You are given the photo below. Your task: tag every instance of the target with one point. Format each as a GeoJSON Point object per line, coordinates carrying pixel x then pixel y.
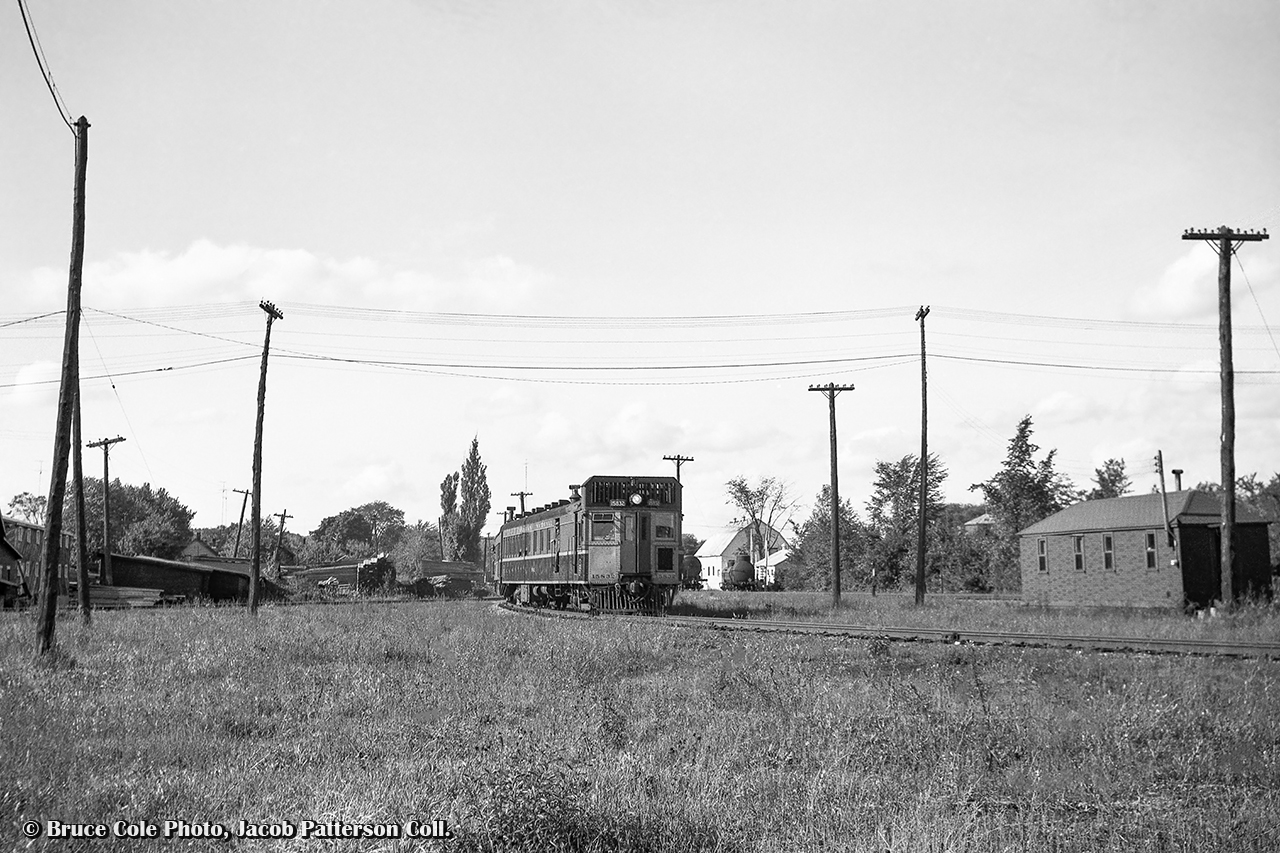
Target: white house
{"type": "Point", "coordinates": [720, 550]}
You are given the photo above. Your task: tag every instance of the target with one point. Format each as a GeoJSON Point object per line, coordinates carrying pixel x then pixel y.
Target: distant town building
{"type": "Point", "coordinates": [718, 553]}
{"type": "Point", "coordinates": [981, 525]}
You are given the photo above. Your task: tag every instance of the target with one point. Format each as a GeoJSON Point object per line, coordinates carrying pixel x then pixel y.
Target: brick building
{"type": "Point", "coordinates": [1117, 552]}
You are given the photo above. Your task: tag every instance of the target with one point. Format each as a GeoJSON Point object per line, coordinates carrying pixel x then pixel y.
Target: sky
{"type": "Point", "coordinates": [594, 234]}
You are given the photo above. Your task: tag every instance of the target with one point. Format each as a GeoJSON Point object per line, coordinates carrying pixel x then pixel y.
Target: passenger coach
{"type": "Point", "coordinates": [612, 545]}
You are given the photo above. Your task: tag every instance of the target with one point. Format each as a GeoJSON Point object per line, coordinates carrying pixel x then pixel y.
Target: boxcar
{"type": "Point", "coordinates": [613, 545]}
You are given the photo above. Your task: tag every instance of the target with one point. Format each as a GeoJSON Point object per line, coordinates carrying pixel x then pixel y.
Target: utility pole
{"type": "Point", "coordinates": [678, 459]}
{"type": "Point", "coordinates": [67, 392]}
{"type": "Point", "coordinates": [255, 567]}
{"type": "Point", "coordinates": [1225, 241]}
{"type": "Point", "coordinates": [243, 503]}
{"type": "Point", "coordinates": [831, 391]}
{"type": "Point", "coordinates": [924, 459]}
{"type": "Point", "coordinates": [1164, 498]}
{"type": "Point", "coordinates": [105, 444]}
{"type": "Point", "coordinates": [77, 479]}
{"type": "Point", "coordinates": [280, 539]}
{"type": "Point", "coordinates": [521, 496]}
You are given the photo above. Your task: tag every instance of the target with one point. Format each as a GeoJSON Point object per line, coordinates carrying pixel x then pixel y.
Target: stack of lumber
{"type": "Point", "coordinates": [119, 597]}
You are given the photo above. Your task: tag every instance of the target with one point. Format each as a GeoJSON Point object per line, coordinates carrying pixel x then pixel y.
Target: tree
{"type": "Point", "coordinates": [767, 506]}
{"type": "Point", "coordinates": [1021, 493]}
{"type": "Point", "coordinates": [418, 543]}
{"type": "Point", "coordinates": [893, 517]}
{"type": "Point", "coordinates": [30, 507]}
{"type": "Point", "coordinates": [1111, 480]}
{"type": "Point", "coordinates": [473, 513]}
{"type": "Point", "coordinates": [145, 521]}
{"type": "Point", "coordinates": [810, 566]}
{"type": "Point", "coordinates": [449, 516]}
{"type": "Point", "coordinates": [387, 524]}
{"type": "Point", "coordinates": [347, 526]}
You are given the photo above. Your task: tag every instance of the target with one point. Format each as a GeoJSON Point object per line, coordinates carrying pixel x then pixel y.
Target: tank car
{"type": "Point", "coordinates": [612, 545]}
{"type": "Point", "coordinates": [741, 575]}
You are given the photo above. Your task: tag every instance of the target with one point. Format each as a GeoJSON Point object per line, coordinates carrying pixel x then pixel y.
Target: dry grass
{"type": "Point", "coordinates": [599, 735]}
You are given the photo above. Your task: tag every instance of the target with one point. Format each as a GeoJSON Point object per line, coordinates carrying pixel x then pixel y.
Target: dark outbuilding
{"type": "Point", "coordinates": [1117, 552]}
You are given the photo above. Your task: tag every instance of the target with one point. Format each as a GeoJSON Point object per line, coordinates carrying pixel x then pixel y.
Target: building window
{"type": "Point", "coordinates": [1042, 549]}
{"type": "Point", "coordinates": [1108, 551]}
{"type": "Point", "coordinates": [1151, 550]}
{"type": "Point", "coordinates": [1077, 545]}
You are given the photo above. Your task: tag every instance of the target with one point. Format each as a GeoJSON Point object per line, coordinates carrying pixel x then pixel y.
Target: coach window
{"type": "Point", "coordinates": [1042, 550]}
{"type": "Point", "coordinates": [1108, 551]}
{"type": "Point", "coordinates": [1151, 550]}
{"type": "Point", "coordinates": [1077, 545]}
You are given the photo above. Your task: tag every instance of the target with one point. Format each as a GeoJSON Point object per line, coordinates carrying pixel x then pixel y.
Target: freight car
{"type": "Point", "coordinates": [613, 545]}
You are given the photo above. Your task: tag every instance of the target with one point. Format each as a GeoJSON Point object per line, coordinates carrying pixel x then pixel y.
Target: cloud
{"type": "Point", "coordinates": [1188, 288]}
{"type": "Point", "coordinates": [35, 386]}
{"type": "Point", "coordinates": [209, 273]}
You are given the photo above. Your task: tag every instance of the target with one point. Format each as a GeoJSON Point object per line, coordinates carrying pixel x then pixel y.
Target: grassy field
{"type": "Point", "coordinates": [544, 734]}
{"type": "Point", "coordinates": [1250, 622]}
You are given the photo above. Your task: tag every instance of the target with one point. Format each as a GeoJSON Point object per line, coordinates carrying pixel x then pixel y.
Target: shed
{"type": "Point", "coordinates": [1117, 551]}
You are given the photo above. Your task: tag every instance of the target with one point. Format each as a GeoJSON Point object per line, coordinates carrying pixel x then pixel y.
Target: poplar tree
{"type": "Point", "coordinates": [474, 498]}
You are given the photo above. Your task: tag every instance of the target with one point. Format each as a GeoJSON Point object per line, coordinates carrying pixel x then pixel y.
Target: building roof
{"type": "Point", "coordinates": [1133, 512]}
{"type": "Point", "coordinates": [984, 520]}
{"type": "Point", "coordinates": [9, 551]}
{"type": "Point", "coordinates": [777, 558]}
{"type": "Point", "coordinates": [717, 545]}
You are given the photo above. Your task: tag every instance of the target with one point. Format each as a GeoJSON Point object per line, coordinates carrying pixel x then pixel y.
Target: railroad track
{"type": "Point", "coordinates": [1131, 645]}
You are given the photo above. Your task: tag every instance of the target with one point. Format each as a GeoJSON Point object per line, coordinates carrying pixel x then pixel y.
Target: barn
{"type": "Point", "coordinates": [1118, 552]}
{"type": "Point", "coordinates": [718, 553]}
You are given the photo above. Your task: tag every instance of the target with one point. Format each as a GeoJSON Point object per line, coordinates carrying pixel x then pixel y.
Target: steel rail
{"type": "Point", "coordinates": [1137, 645]}
{"type": "Point", "coordinates": [954, 636]}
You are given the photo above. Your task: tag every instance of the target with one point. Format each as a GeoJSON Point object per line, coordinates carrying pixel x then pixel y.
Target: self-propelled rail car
{"type": "Point", "coordinates": [613, 545]}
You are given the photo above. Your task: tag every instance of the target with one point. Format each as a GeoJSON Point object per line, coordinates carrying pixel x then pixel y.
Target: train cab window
{"type": "Point", "coordinates": [663, 526]}
{"type": "Point", "coordinates": [604, 527]}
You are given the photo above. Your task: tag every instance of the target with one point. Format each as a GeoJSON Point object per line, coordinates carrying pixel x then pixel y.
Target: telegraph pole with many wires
{"type": "Point", "coordinates": [105, 444]}
{"type": "Point", "coordinates": [924, 460]}
{"type": "Point", "coordinates": [831, 391]}
{"type": "Point", "coordinates": [1225, 241]}
{"type": "Point", "coordinates": [279, 539]}
{"type": "Point", "coordinates": [679, 460]}
{"type": "Point", "coordinates": [68, 392]}
{"type": "Point", "coordinates": [243, 503]}
{"type": "Point", "coordinates": [522, 495]}
{"type": "Point", "coordinates": [255, 567]}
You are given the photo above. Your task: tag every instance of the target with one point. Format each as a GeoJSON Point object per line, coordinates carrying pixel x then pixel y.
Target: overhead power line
{"type": "Point", "coordinates": [38, 50]}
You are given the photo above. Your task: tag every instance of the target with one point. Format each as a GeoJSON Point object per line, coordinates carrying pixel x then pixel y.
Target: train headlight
{"type": "Point", "coordinates": [637, 499]}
